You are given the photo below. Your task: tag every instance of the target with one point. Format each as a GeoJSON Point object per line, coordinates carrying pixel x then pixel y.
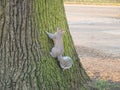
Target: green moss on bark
{"type": "Point", "coordinates": [51, 14]}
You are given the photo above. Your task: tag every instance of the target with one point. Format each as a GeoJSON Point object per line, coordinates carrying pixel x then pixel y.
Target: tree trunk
{"type": "Point", "coordinates": [25, 62]}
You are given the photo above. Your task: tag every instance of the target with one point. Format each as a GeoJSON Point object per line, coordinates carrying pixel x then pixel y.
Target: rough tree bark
{"type": "Point", "coordinates": [25, 62]}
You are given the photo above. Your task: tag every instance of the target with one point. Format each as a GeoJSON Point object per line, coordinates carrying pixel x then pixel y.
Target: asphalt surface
{"type": "Point", "coordinates": [96, 27]}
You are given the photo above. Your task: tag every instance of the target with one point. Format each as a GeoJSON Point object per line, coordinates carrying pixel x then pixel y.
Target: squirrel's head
{"type": "Point", "coordinates": [59, 30]}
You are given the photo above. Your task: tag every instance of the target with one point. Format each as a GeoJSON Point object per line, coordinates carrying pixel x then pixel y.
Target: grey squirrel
{"type": "Point", "coordinates": [58, 49]}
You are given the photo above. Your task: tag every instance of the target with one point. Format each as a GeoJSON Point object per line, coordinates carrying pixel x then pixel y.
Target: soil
{"type": "Point", "coordinates": [99, 65]}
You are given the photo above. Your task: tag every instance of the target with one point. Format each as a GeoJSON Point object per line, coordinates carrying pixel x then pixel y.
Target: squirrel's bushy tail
{"type": "Point", "coordinates": [65, 62]}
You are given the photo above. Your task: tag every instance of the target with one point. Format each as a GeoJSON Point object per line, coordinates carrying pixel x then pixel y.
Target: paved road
{"type": "Point", "coordinates": [96, 27]}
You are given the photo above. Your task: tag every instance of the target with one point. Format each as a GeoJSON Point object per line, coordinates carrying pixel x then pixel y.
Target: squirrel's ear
{"type": "Point", "coordinates": [58, 29]}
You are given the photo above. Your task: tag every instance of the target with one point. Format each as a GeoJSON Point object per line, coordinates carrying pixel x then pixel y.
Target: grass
{"type": "Point", "coordinates": [106, 85]}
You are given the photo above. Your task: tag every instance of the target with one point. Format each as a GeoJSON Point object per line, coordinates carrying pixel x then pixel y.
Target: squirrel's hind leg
{"type": "Point", "coordinates": [53, 55]}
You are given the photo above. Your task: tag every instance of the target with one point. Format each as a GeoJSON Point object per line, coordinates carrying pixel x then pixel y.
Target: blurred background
{"type": "Point", "coordinates": [95, 29]}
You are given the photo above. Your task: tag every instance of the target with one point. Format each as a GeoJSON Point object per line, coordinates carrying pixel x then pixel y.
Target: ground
{"type": "Point", "coordinates": [99, 65]}
{"type": "Point", "coordinates": [96, 34]}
